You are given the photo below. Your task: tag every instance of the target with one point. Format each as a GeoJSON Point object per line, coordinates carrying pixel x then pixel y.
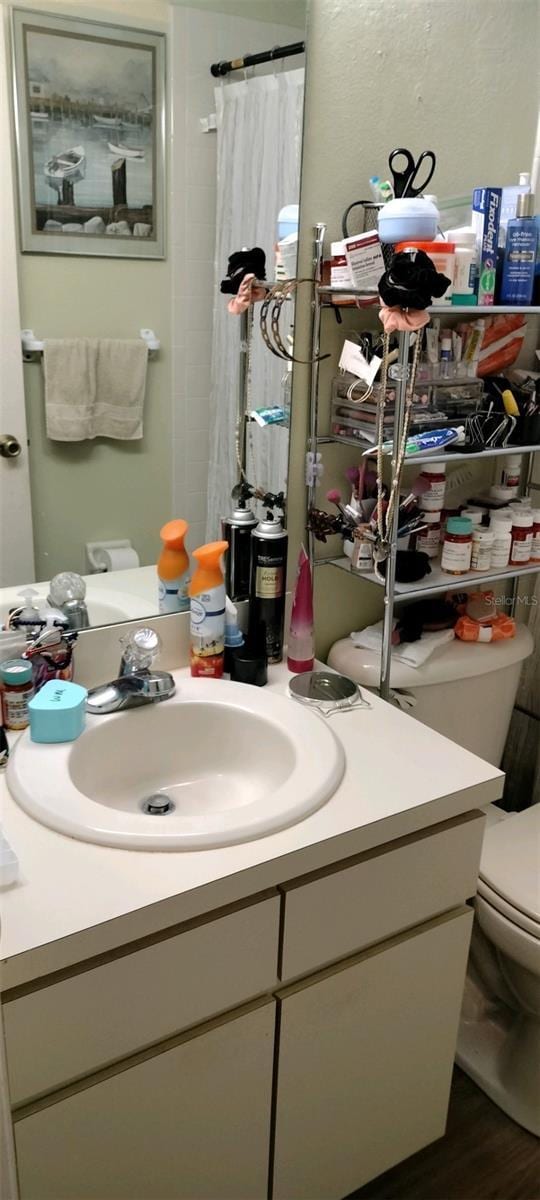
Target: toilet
{"type": "Point", "coordinates": [499, 1036]}
{"type": "Point", "coordinates": [467, 692]}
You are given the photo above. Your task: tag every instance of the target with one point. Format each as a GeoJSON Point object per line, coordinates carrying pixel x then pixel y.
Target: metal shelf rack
{"type": "Point", "coordinates": [438, 582]}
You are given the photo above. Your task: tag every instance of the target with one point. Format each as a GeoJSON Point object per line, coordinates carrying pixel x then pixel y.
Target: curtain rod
{"type": "Point", "coordinates": [254, 60]}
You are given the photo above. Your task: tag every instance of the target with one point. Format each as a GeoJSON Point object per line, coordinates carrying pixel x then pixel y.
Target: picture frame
{"type": "Point", "coordinates": [89, 105]}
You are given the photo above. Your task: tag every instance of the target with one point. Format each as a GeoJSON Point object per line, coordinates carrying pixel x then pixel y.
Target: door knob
{"type": "Point", "coordinates": [9, 446]}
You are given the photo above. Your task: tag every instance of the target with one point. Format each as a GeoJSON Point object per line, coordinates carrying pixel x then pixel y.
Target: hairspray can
{"type": "Point", "coordinates": [236, 530]}
{"type": "Point", "coordinates": [267, 591]}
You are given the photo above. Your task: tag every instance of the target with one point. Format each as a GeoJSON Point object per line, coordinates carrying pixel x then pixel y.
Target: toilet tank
{"type": "Point", "coordinates": [465, 691]}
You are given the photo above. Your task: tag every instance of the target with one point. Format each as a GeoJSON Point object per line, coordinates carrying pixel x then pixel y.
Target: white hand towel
{"type": "Point", "coordinates": [121, 382]}
{"type": "Point", "coordinates": [94, 388]}
{"type": "Point", "coordinates": [413, 654]}
{"type": "Point", "coordinates": [69, 369]}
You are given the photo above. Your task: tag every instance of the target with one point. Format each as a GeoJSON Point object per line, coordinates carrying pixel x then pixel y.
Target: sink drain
{"type": "Point", "coordinates": [158, 805]}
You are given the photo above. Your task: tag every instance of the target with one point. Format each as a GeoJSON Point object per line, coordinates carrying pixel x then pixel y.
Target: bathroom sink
{"type": "Point", "coordinates": [219, 763]}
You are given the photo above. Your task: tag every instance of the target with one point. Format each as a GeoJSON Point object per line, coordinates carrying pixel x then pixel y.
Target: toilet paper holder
{"type": "Point", "coordinates": [97, 555]}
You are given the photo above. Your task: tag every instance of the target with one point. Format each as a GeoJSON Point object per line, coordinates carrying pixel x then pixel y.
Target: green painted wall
{"type": "Point", "coordinates": [383, 73]}
{"type": "Point", "coordinates": [90, 490]}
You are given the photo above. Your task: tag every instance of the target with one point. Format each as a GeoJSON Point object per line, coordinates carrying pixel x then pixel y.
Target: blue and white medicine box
{"type": "Point", "coordinates": [58, 712]}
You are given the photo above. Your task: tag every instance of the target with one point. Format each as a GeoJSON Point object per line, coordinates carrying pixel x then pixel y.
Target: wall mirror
{"type": "Point", "coordinates": [137, 173]}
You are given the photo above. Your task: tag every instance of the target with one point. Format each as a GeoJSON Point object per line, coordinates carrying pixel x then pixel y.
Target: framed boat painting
{"type": "Point", "coordinates": [90, 126]}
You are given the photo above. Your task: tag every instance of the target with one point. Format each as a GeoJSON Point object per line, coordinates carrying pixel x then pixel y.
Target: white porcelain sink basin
{"type": "Point", "coordinates": [234, 762]}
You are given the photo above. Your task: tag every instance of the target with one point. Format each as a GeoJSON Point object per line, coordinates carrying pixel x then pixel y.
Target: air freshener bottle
{"type": "Point", "coordinates": [173, 568]}
{"type": "Point", "coordinates": [267, 590]}
{"type": "Point", "coordinates": [207, 627]}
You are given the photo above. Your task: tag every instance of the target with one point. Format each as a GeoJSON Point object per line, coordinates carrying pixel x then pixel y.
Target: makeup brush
{"type": "Point", "coordinates": [419, 487]}
{"type": "Point", "coordinates": [334, 497]}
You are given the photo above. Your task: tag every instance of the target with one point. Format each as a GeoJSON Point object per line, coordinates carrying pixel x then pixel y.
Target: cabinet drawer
{"type": "Point", "coordinates": [379, 893]}
{"type": "Point", "coordinates": [77, 1025]}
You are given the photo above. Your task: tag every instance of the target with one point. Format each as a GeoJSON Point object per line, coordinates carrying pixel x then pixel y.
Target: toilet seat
{"type": "Point", "coordinates": [509, 876]}
{"type": "Point", "coordinates": [508, 911]}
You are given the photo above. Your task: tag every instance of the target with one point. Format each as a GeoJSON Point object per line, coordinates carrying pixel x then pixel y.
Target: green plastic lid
{"type": "Point", "coordinates": [15, 671]}
{"type": "Point", "coordinates": [459, 525]}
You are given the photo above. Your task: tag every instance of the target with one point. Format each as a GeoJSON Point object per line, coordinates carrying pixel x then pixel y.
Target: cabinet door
{"type": "Point", "coordinates": [365, 1061]}
{"type": "Point", "coordinates": [191, 1123]}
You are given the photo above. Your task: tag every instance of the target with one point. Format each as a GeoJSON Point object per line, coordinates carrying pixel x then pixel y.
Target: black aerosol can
{"type": "Point", "coordinates": [236, 530]}
{"type": "Point", "coordinates": [267, 591]}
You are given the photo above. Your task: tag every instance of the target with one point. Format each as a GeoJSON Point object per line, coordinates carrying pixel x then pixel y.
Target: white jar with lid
{"type": "Point", "coordinates": [501, 515]}
{"type": "Point", "coordinates": [504, 494]}
{"type": "Point", "coordinates": [474, 514]}
{"type": "Point", "coordinates": [465, 264]}
{"type": "Point", "coordinates": [482, 546]}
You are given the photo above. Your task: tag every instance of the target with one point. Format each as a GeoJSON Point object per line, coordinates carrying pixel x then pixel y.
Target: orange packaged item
{"type": "Point", "coordinates": [495, 630]}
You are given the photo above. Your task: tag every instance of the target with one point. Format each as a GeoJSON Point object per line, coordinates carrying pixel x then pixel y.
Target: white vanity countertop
{"type": "Point", "coordinates": [74, 899]}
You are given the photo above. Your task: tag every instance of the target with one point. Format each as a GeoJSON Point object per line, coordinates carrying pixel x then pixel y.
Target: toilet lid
{"type": "Point", "coordinates": [510, 863]}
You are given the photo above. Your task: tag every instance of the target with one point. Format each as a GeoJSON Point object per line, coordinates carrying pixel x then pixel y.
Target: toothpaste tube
{"type": "Point", "coordinates": [486, 210]}
{"type": "Point", "coordinates": [428, 442]}
{"type": "Point", "coordinates": [267, 416]}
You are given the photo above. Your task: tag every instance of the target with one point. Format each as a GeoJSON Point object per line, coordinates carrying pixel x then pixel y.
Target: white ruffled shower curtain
{"type": "Point", "coordinates": [258, 172]}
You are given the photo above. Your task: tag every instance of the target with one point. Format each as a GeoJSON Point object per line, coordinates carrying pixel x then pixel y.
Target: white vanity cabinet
{"type": "Point", "coordinates": [190, 1123]}
{"type": "Point", "coordinates": [294, 1044]}
{"type": "Point", "coordinates": [365, 1061]}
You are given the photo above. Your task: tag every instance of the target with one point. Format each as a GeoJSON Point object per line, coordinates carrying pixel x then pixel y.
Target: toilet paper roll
{"type": "Point", "coordinates": [122, 558]}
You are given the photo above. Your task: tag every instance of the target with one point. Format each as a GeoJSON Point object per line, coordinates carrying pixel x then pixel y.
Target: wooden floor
{"type": "Point", "coordinates": [484, 1156]}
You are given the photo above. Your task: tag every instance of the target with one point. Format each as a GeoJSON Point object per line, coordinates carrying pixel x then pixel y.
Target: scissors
{"type": "Point", "coordinates": [405, 180]}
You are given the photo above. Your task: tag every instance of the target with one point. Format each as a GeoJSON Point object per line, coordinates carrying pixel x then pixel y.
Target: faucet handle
{"type": "Point", "coordinates": [140, 647]}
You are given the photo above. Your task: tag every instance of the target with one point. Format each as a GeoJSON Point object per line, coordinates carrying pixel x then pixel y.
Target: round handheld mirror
{"type": "Point", "coordinates": [327, 691]}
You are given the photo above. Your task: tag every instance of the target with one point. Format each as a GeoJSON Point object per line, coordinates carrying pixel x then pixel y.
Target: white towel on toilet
{"type": "Point", "coordinates": [94, 387]}
{"type": "Point", "coordinates": [413, 654]}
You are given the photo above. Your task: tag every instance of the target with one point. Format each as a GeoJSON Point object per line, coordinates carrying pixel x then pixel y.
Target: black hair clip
{"type": "Point", "coordinates": [241, 263]}
{"type": "Point", "coordinates": [411, 281]}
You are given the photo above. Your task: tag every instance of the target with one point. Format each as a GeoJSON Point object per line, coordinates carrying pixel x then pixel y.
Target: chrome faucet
{"type": "Point", "coordinates": [67, 593]}
{"type": "Point", "coordinates": [131, 691]}
{"type": "Point", "coordinates": [138, 683]}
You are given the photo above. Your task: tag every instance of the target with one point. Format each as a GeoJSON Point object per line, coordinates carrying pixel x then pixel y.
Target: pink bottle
{"type": "Point", "coordinates": [300, 652]}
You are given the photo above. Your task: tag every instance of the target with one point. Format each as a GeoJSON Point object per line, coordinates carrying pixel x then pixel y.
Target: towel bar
{"type": "Point", "coordinates": [31, 345]}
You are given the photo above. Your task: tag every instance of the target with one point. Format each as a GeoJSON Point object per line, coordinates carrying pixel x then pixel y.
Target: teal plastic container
{"type": "Point", "coordinates": [58, 712]}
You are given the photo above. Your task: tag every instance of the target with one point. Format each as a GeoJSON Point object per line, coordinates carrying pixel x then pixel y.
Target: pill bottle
{"type": "Point", "coordinates": [17, 690]}
{"type": "Point", "coordinates": [510, 471]}
{"type": "Point", "coordinates": [429, 539]}
{"type": "Point", "coordinates": [457, 546]}
{"type": "Point", "coordinates": [502, 545]}
{"type": "Point", "coordinates": [522, 536]}
{"type": "Point", "coordinates": [434, 476]}
{"type": "Point", "coordinates": [535, 548]}
{"type": "Point", "coordinates": [362, 551]}
{"type": "Point", "coordinates": [482, 546]}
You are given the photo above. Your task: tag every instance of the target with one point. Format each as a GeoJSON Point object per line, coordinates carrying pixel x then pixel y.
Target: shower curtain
{"type": "Point", "coordinates": [259, 130]}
